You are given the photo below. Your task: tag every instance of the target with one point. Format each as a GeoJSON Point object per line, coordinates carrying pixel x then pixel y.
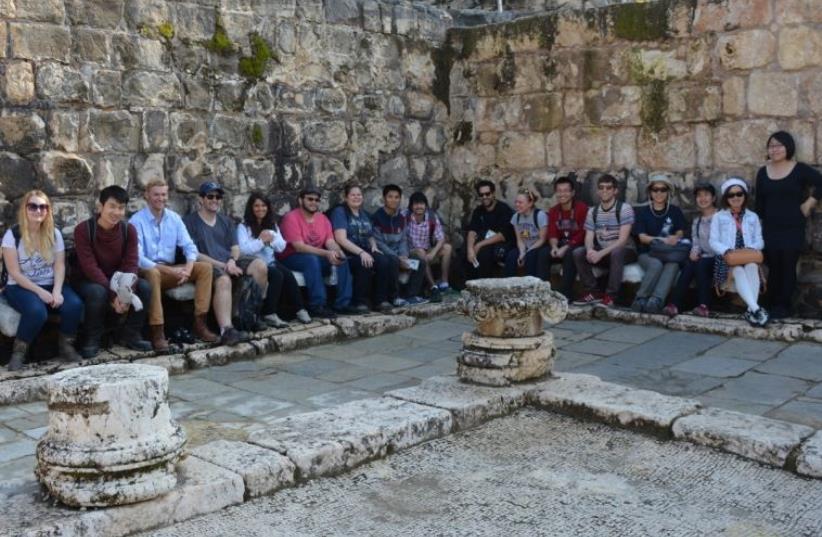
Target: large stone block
{"type": "Point", "coordinates": [342, 12]}
{"type": "Point", "coordinates": [589, 397]}
{"type": "Point", "coordinates": [110, 131]}
{"type": "Point", "coordinates": [521, 151]}
{"type": "Point", "coordinates": [809, 460]}
{"type": "Point", "coordinates": [754, 437]}
{"type": "Point", "coordinates": [419, 105]}
{"type": "Point", "coordinates": [150, 89]}
{"type": "Point", "coordinates": [263, 470]}
{"type": "Point", "coordinates": [773, 94]}
{"type": "Point", "coordinates": [41, 10]}
{"type": "Point", "coordinates": [740, 142]}
{"type": "Point", "coordinates": [733, 96]}
{"type": "Point", "coordinates": [64, 130]}
{"type": "Point", "coordinates": [671, 149]}
{"type": "Point", "coordinates": [797, 12]}
{"type": "Point", "coordinates": [229, 132]}
{"type": "Point", "coordinates": [305, 338]}
{"type": "Point", "coordinates": [148, 167]}
{"type": "Point", "coordinates": [731, 14]}
{"type": "Point", "coordinates": [543, 112]}
{"type": "Point", "coordinates": [325, 137]}
{"type": "Point", "coordinates": [694, 103]}
{"type": "Point", "coordinates": [60, 83]}
{"type": "Point", "coordinates": [32, 41]}
{"type": "Point", "coordinates": [22, 133]}
{"type": "Point", "coordinates": [624, 148]}
{"type": "Point", "coordinates": [812, 90]}
{"type": "Point", "coordinates": [155, 132]}
{"type": "Point", "coordinates": [372, 325]}
{"type": "Point", "coordinates": [586, 147]}
{"type": "Point", "coordinates": [96, 13]}
{"type": "Point", "coordinates": [614, 106]}
{"type": "Point", "coordinates": [800, 47]}
{"type": "Point", "coordinates": [4, 38]}
{"type": "Point", "coordinates": [258, 174]}
{"type": "Point", "coordinates": [65, 173]}
{"type": "Point", "coordinates": [746, 50]}
{"type": "Point", "coordinates": [112, 169]}
{"type": "Point", "coordinates": [18, 83]}
{"type": "Point", "coordinates": [17, 175]}
{"type": "Point", "coordinates": [135, 52]}
{"type": "Point", "coordinates": [147, 14]}
{"type": "Point", "coordinates": [91, 45]}
{"type": "Point", "coordinates": [106, 89]}
{"type": "Point", "coordinates": [188, 131]}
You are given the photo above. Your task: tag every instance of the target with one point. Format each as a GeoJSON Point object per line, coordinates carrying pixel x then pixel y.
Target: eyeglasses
{"type": "Point", "coordinates": [485, 194]}
{"type": "Point", "coordinates": [776, 146]}
{"type": "Point", "coordinates": [659, 190]}
{"type": "Point", "coordinates": [35, 207]}
{"type": "Point", "coordinates": [214, 196]}
{"type": "Point", "coordinates": [311, 198]}
{"type": "Point", "coordinates": [605, 187]}
{"type": "Point", "coordinates": [737, 194]}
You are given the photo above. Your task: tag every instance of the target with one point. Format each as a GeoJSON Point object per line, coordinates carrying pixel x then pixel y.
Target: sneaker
{"type": "Point", "coordinates": [750, 317]}
{"type": "Point", "coordinates": [436, 296]}
{"type": "Point", "coordinates": [607, 300]}
{"type": "Point", "coordinates": [653, 306]}
{"type": "Point", "coordinates": [273, 320]}
{"type": "Point", "coordinates": [443, 287]}
{"type": "Point", "coordinates": [761, 316]}
{"type": "Point", "coordinates": [321, 312]}
{"type": "Point", "coordinates": [232, 336]}
{"type": "Point", "coordinates": [303, 316]}
{"type": "Point", "coordinates": [399, 302]}
{"type": "Point", "coordinates": [416, 300]}
{"type": "Point", "coordinates": [702, 311]}
{"type": "Point", "coordinates": [588, 299]}
{"type": "Point", "coordinates": [385, 306]}
{"type": "Point", "coordinates": [671, 310]}
{"type": "Point", "coordinates": [639, 304]}
{"type": "Point", "coordinates": [351, 309]}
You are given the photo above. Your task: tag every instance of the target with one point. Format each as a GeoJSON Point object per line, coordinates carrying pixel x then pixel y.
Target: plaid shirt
{"type": "Point", "coordinates": [419, 234]}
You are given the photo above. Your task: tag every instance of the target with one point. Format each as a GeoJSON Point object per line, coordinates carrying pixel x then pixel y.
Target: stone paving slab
{"type": "Point", "coordinates": [263, 470]}
{"type": "Point", "coordinates": [809, 459]}
{"type": "Point", "coordinates": [804, 411]}
{"type": "Point", "coordinates": [203, 488]}
{"type": "Point", "coordinates": [753, 437]}
{"type": "Point", "coordinates": [759, 388]}
{"type": "Point", "coordinates": [470, 404]}
{"type": "Point", "coordinates": [715, 366]}
{"type": "Point", "coordinates": [747, 349]}
{"type": "Point", "coordinates": [588, 397]}
{"type": "Point", "coordinates": [802, 361]}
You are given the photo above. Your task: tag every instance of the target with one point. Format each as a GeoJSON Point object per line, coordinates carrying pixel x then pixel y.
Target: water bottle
{"type": "Point", "coordinates": [332, 278]}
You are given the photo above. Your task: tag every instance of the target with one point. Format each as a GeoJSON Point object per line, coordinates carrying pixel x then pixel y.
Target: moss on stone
{"type": "Point", "coordinates": [257, 135]}
{"type": "Point", "coordinates": [463, 132]}
{"type": "Point", "coordinates": [641, 22]}
{"type": "Point", "coordinates": [443, 59]}
{"type": "Point", "coordinates": [254, 66]}
{"type": "Point", "coordinates": [507, 73]}
{"type": "Point", "coordinates": [543, 28]}
{"type": "Point", "coordinates": [220, 43]}
{"type": "Point", "coordinates": [654, 105]}
{"type": "Point", "coordinates": [166, 30]}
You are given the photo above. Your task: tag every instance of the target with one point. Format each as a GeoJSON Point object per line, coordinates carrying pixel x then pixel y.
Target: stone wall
{"type": "Point", "coordinates": [691, 88]}
{"type": "Point", "coordinates": [256, 94]}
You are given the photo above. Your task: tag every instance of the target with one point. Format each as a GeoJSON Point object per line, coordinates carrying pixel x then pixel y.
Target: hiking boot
{"type": "Point", "coordinates": [201, 329]}
{"type": "Point", "coordinates": [671, 310]}
{"type": "Point", "coordinates": [303, 316]}
{"type": "Point", "coordinates": [231, 336]}
{"type": "Point", "coordinates": [157, 335]}
{"type": "Point", "coordinates": [273, 320]}
{"type": "Point", "coordinates": [607, 301]}
{"type": "Point", "coordinates": [18, 355]}
{"type": "Point", "coordinates": [587, 300]}
{"type": "Point", "coordinates": [65, 344]}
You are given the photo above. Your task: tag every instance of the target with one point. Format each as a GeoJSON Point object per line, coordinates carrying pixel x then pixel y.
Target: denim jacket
{"type": "Point", "coordinates": [723, 231]}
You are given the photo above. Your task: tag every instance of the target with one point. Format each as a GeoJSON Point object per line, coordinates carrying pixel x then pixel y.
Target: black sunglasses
{"type": "Point", "coordinates": [214, 196]}
{"type": "Point", "coordinates": [33, 207]}
{"type": "Point", "coordinates": [485, 194]}
{"type": "Point", "coordinates": [311, 198]}
{"type": "Point", "coordinates": [658, 190]}
{"type": "Point", "coordinates": [737, 194]}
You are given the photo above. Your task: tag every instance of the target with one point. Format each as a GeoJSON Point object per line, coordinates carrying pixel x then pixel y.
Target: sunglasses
{"type": "Point", "coordinates": [658, 190]}
{"type": "Point", "coordinates": [214, 196]}
{"type": "Point", "coordinates": [485, 194]}
{"type": "Point", "coordinates": [311, 198]}
{"type": "Point", "coordinates": [35, 207]}
{"type": "Point", "coordinates": [738, 194]}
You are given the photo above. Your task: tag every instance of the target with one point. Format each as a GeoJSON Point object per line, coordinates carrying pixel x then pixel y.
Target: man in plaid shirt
{"type": "Point", "coordinates": [426, 238]}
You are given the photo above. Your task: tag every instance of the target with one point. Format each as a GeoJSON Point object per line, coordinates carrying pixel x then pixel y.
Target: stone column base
{"type": "Point", "coordinates": [502, 361]}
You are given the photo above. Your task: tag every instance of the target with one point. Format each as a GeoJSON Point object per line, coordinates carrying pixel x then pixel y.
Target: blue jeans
{"type": "Point", "coordinates": [34, 312]}
{"type": "Point", "coordinates": [314, 268]}
{"type": "Point", "coordinates": [531, 262]}
{"type": "Point", "coordinates": [703, 271]}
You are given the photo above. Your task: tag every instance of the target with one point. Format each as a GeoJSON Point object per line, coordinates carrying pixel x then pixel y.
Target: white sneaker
{"type": "Point", "coordinates": [303, 316]}
{"type": "Point", "coordinates": [273, 320]}
{"type": "Point", "coordinates": [400, 302]}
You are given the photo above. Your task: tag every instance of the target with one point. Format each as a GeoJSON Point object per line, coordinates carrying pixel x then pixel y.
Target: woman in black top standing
{"type": "Point", "coordinates": [786, 193]}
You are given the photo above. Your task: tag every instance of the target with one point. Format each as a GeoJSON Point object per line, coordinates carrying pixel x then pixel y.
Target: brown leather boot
{"type": "Point", "coordinates": [158, 338]}
{"type": "Point", "coordinates": [201, 329]}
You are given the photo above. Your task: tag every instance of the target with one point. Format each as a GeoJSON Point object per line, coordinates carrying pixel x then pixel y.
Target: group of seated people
{"type": "Point", "coordinates": [124, 267]}
{"type": "Point", "coordinates": [731, 244]}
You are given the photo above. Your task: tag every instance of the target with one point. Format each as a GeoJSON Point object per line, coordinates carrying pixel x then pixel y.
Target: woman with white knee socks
{"type": "Point", "coordinates": [736, 229]}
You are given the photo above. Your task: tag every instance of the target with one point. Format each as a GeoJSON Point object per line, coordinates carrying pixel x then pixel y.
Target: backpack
{"type": "Point", "coordinates": [535, 214]}
{"type": "Point", "coordinates": [617, 208]}
{"type": "Point", "coordinates": [248, 302]}
{"type": "Point", "coordinates": [4, 275]}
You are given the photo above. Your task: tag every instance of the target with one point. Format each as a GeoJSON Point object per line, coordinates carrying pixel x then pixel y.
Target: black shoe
{"type": "Point", "coordinates": [232, 336]}
{"type": "Point", "coordinates": [136, 344]}
{"type": "Point", "coordinates": [259, 326]}
{"type": "Point", "coordinates": [359, 309]}
{"type": "Point", "coordinates": [436, 294]}
{"type": "Point", "coordinates": [91, 351]}
{"type": "Point", "coordinates": [321, 312]}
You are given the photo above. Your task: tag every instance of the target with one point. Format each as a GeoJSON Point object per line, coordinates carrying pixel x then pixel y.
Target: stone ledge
{"type": "Point", "coordinates": [203, 488]}
{"type": "Point", "coordinates": [809, 458]}
{"type": "Point", "coordinates": [589, 397]}
{"type": "Point", "coordinates": [372, 325]}
{"type": "Point", "coordinates": [264, 471]}
{"type": "Point", "coordinates": [753, 437]}
{"type": "Point", "coordinates": [327, 442]}
{"type": "Point", "coordinates": [468, 403]}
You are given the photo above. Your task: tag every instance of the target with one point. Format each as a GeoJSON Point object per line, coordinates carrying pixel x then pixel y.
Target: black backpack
{"type": "Point", "coordinates": [248, 302]}
{"type": "Point", "coordinates": [4, 275]}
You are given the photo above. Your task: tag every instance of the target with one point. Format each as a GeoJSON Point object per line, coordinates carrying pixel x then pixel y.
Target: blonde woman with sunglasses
{"type": "Point", "coordinates": [36, 269]}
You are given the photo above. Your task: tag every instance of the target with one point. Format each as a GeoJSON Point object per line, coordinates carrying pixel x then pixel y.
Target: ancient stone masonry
{"type": "Point", "coordinates": [690, 88]}
{"type": "Point", "coordinates": [111, 439]}
{"type": "Point", "coordinates": [509, 344]}
{"type": "Point", "coordinates": [259, 94]}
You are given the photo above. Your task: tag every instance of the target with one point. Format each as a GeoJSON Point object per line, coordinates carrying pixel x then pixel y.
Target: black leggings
{"type": "Point", "coordinates": [281, 283]}
{"type": "Point", "coordinates": [384, 274]}
{"type": "Point", "coordinates": [781, 277]}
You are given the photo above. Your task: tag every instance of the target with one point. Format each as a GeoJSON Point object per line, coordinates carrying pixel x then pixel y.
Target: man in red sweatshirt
{"type": "Point", "coordinates": [566, 231]}
{"type": "Point", "coordinates": [110, 247]}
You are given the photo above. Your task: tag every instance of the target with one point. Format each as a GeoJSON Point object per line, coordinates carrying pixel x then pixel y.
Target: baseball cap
{"type": "Point", "coordinates": [210, 186]}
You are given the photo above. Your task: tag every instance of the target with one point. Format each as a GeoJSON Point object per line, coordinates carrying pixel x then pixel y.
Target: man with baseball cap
{"type": "Point", "coordinates": [312, 250]}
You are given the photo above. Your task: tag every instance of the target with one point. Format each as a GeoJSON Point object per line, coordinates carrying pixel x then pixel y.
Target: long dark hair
{"type": "Point", "coordinates": [270, 220]}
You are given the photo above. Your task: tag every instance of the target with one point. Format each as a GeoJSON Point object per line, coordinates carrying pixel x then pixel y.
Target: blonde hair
{"type": "Point", "coordinates": [43, 241]}
{"type": "Point", "coordinates": [529, 193]}
{"type": "Point", "coordinates": [155, 181]}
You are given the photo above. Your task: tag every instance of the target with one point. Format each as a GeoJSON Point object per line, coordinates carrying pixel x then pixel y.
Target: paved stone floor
{"type": "Point", "coordinates": [774, 379]}
{"type": "Point", "coordinates": [536, 473]}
